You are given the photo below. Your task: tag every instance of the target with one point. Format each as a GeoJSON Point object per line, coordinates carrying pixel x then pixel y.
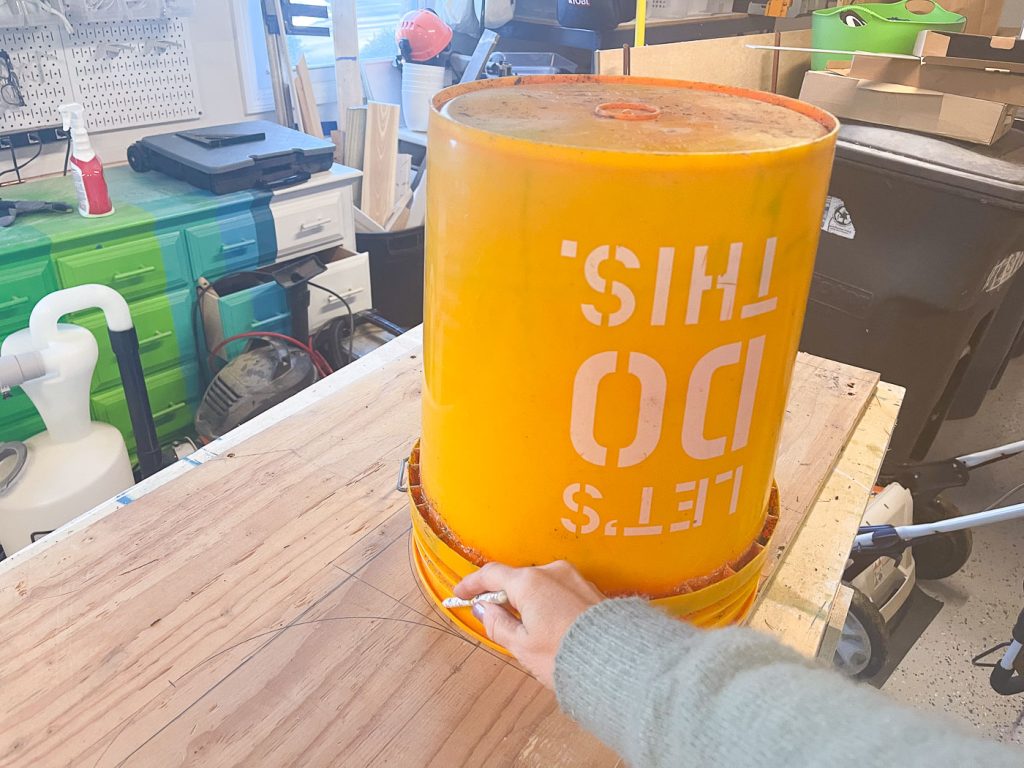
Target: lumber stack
{"type": "Point", "coordinates": [390, 196]}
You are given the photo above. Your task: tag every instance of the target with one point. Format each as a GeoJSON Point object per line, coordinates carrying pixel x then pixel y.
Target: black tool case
{"type": "Point", "coordinates": [230, 158]}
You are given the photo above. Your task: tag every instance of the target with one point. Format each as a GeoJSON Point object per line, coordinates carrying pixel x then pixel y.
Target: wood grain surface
{"type": "Point", "coordinates": [260, 610]}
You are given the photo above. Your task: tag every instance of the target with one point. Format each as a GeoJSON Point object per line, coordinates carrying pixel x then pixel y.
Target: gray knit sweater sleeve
{"type": "Point", "coordinates": [662, 693]}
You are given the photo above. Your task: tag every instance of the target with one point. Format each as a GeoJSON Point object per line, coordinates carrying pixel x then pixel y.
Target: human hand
{"type": "Point", "coordinates": [548, 599]}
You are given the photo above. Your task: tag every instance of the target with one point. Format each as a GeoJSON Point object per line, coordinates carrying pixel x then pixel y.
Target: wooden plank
{"type": "Point", "coordinates": [345, 34]}
{"type": "Point", "coordinates": [260, 610]}
{"type": "Point", "coordinates": [402, 222]}
{"type": "Point", "coordinates": [418, 207]}
{"type": "Point", "coordinates": [478, 61]}
{"type": "Point", "coordinates": [338, 138]}
{"type": "Point", "coordinates": [796, 606]}
{"type": "Point", "coordinates": [400, 208]}
{"type": "Point", "coordinates": [726, 61]}
{"type": "Point", "coordinates": [310, 110]}
{"type": "Point", "coordinates": [834, 624]}
{"type": "Point", "coordinates": [302, 117]}
{"type": "Point", "coordinates": [379, 159]}
{"type": "Point", "coordinates": [355, 140]}
{"type": "Point", "coordinates": [403, 173]}
{"type": "Point", "coordinates": [806, 457]}
{"type": "Point", "coordinates": [364, 223]}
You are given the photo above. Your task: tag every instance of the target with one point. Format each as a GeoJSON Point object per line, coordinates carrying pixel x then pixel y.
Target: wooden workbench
{"type": "Point", "coordinates": [254, 604]}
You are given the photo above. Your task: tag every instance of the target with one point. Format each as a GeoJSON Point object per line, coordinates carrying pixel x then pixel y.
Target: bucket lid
{"type": "Point", "coordinates": [634, 114]}
{"type": "Point", "coordinates": [996, 171]}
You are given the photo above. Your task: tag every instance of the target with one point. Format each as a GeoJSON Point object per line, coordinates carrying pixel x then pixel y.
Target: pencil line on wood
{"type": "Point", "coordinates": [275, 634]}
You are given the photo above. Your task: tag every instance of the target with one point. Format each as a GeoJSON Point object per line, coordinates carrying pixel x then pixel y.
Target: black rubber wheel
{"type": "Point", "coordinates": [944, 554]}
{"type": "Point", "coordinates": [138, 159]}
{"type": "Point", "coordinates": [864, 645]}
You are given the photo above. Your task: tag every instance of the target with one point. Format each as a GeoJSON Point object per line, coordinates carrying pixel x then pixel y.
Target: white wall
{"type": "Point", "coordinates": [220, 93]}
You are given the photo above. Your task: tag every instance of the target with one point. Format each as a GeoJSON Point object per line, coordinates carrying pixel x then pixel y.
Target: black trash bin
{"type": "Point", "coordinates": [1004, 338]}
{"type": "Point", "coordinates": [906, 283]}
{"type": "Point", "coordinates": [396, 273]}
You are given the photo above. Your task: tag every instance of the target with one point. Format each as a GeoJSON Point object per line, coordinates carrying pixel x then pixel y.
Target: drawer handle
{"type": "Point", "coordinates": [271, 320]}
{"type": "Point", "coordinates": [131, 274]}
{"type": "Point", "coordinates": [348, 295]}
{"type": "Point", "coordinates": [168, 411]}
{"type": "Point", "coordinates": [241, 245]}
{"type": "Point", "coordinates": [158, 336]}
{"type": "Point", "coordinates": [16, 301]}
{"type": "Point", "coordinates": [310, 226]}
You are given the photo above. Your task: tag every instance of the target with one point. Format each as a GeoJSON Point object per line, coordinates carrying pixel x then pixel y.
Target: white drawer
{"type": "Point", "coordinates": [309, 223]}
{"type": "Point", "coordinates": [350, 278]}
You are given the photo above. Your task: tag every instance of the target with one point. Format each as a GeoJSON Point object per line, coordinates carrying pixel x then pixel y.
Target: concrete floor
{"type": "Point", "coordinates": [980, 603]}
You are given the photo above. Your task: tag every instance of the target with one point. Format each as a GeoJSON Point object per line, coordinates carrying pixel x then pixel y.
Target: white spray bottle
{"type": "Point", "coordinates": [85, 166]}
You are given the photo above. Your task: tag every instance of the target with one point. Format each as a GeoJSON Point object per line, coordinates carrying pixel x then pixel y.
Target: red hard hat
{"type": "Point", "coordinates": [424, 32]}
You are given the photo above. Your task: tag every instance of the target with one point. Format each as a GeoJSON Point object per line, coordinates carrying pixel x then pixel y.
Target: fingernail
{"type": "Point", "coordinates": [478, 611]}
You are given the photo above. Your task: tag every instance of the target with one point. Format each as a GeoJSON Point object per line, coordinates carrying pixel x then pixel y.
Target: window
{"type": "Point", "coordinates": [377, 20]}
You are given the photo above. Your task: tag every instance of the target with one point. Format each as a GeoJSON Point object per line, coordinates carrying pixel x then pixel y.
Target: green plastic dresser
{"type": "Point", "coordinates": [162, 237]}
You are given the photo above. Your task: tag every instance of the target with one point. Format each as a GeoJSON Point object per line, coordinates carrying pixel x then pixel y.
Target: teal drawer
{"type": "Point", "coordinates": [18, 417]}
{"type": "Point", "coordinates": [263, 308]}
{"type": "Point", "coordinates": [173, 396]}
{"type": "Point", "coordinates": [22, 284]}
{"type": "Point", "coordinates": [228, 245]}
{"type": "Point", "coordinates": [162, 324]}
{"type": "Point", "coordinates": [143, 267]}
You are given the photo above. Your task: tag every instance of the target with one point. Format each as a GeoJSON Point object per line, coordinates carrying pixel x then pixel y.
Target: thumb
{"type": "Point", "coordinates": [501, 626]}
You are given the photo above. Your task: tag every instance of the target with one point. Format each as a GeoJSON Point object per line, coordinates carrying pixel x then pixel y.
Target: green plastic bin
{"type": "Point", "coordinates": [877, 28]}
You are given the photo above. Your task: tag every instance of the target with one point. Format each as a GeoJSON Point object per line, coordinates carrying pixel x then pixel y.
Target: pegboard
{"type": "Point", "coordinates": [125, 73]}
{"type": "Point", "coordinates": [38, 59]}
{"type": "Point", "coordinates": [151, 79]}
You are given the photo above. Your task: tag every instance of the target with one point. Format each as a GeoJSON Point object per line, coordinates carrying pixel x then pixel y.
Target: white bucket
{"type": "Point", "coordinates": [419, 84]}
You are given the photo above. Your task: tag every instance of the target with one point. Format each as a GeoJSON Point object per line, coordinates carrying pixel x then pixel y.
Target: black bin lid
{"type": "Point", "coordinates": [277, 141]}
{"type": "Point", "coordinates": [995, 171]}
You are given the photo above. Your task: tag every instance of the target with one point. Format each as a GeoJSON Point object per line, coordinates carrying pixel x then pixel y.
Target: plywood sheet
{"type": "Point", "coordinates": [797, 607]}
{"type": "Point", "coordinates": [261, 610]}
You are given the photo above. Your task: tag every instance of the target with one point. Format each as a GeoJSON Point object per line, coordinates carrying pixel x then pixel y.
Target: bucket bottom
{"type": "Point", "coordinates": [727, 597]}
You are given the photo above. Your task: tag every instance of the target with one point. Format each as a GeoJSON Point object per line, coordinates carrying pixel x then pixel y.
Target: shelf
{"type": "Point", "coordinates": [659, 31]}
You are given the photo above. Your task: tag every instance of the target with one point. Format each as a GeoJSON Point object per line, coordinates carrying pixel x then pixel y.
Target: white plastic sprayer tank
{"type": "Point", "coordinates": [76, 463]}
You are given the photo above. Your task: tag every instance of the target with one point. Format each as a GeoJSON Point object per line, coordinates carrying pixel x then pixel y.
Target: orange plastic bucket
{"type": "Point", "coordinates": [616, 275]}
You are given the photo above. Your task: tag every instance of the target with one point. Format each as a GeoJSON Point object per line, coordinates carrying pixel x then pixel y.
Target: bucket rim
{"type": "Point", "coordinates": [718, 581]}
{"type": "Point", "coordinates": [824, 118]}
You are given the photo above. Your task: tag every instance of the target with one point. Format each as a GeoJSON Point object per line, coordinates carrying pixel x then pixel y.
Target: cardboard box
{"type": "Point", "coordinates": [978, 48]}
{"type": "Point", "coordinates": [913, 109]}
{"type": "Point", "coordinates": [725, 61]}
{"type": "Point", "coordinates": [938, 74]}
{"type": "Point", "coordinates": [982, 15]}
